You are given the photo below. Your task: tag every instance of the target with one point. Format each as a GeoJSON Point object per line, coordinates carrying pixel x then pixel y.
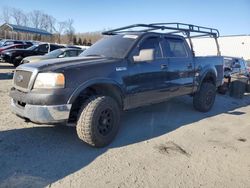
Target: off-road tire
{"type": "Point", "coordinates": [98, 121]}
{"type": "Point", "coordinates": [237, 89]}
{"type": "Point", "coordinates": [204, 99]}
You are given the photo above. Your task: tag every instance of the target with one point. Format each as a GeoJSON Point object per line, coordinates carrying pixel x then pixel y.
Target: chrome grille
{"type": "Point", "coordinates": [22, 78]}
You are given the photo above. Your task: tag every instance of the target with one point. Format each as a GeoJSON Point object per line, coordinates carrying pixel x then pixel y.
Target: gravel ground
{"type": "Point", "coordinates": [164, 145]}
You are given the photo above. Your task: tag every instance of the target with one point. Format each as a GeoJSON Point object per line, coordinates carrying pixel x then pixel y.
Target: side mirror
{"type": "Point", "coordinates": [144, 55]}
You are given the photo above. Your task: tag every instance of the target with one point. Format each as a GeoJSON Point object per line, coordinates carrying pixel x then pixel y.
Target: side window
{"type": "Point", "coordinates": [8, 43]}
{"type": "Point", "coordinates": [18, 42]}
{"type": "Point", "coordinates": [175, 48]}
{"type": "Point", "coordinates": [53, 47]}
{"type": "Point", "coordinates": [20, 46]}
{"type": "Point", "coordinates": [43, 48]}
{"type": "Point", "coordinates": [71, 53]}
{"type": "Point", "coordinates": [151, 43]}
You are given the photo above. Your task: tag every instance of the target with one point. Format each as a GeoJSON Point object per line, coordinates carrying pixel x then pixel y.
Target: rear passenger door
{"type": "Point", "coordinates": [180, 66]}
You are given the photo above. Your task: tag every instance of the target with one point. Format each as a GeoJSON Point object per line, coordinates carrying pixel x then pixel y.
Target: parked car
{"type": "Point", "coordinates": [123, 71]}
{"type": "Point", "coordinates": [7, 42]}
{"type": "Point", "coordinates": [15, 56]}
{"type": "Point", "coordinates": [234, 68]}
{"type": "Point", "coordinates": [59, 53]}
{"type": "Point", "coordinates": [15, 46]}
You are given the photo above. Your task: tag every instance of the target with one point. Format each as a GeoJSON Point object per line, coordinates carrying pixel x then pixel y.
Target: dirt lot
{"type": "Point", "coordinates": [164, 145]}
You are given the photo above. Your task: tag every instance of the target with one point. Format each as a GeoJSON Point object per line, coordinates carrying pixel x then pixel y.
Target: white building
{"type": "Point", "coordinates": [235, 45]}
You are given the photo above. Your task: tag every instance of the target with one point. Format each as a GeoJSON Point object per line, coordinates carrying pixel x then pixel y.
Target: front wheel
{"type": "Point", "coordinates": [98, 121]}
{"type": "Point", "coordinates": [204, 99]}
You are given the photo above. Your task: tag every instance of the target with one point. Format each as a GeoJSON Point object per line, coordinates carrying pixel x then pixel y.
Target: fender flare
{"type": "Point", "coordinates": [89, 83]}
{"type": "Point", "coordinates": [211, 72]}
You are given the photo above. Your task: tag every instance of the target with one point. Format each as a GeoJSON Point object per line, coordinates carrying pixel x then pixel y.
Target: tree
{"type": "Point", "coordinates": [74, 40]}
{"type": "Point", "coordinates": [70, 30]}
{"type": "Point", "coordinates": [47, 23]}
{"type": "Point", "coordinates": [18, 16]}
{"type": "Point", "coordinates": [80, 41]}
{"type": "Point", "coordinates": [25, 20]}
{"type": "Point", "coordinates": [36, 18]}
{"type": "Point", "coordinates": [84, 43]}
{"type": "Point", "coordinates": [89, 43]}
{"type": "Point", "coordinates": [60, 28]}
{"type": "Point", "coordinates": [6, 14]}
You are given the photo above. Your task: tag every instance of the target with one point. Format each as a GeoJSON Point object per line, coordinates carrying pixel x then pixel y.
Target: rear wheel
{"type": "Point", "coordinates": [98, 121]}
{"type": "Point", "coordinates": [204, 99]}
{"type": "Point", "coordinates": [237, 89]}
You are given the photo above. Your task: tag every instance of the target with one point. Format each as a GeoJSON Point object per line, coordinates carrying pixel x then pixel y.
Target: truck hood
{"type": "Point", "coordinates": [69, 62]}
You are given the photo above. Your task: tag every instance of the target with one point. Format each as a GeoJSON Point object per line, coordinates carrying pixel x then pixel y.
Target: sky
{"type": "Point", "coordinates": [231, 17]}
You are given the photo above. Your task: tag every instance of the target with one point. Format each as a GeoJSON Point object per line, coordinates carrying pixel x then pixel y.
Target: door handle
{"type": "Point", "coordinates": [164, 66]}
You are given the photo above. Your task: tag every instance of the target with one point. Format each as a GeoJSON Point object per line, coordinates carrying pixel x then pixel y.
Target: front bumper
{"type": "Point", "coordinates": [41, 113]}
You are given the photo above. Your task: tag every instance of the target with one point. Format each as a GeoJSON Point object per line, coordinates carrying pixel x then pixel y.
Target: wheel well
{"type": "Point", "coordinates": [96, 89]}
{"type": "Point", "coordinates": [209, 78]}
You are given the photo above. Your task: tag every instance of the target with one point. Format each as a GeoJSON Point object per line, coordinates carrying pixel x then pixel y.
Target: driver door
{"type": "Point", "coordinates": [147, 78]}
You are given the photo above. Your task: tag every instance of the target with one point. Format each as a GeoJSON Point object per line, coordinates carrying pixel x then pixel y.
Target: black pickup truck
{"type": "Point", "coordinates": [130, 68]}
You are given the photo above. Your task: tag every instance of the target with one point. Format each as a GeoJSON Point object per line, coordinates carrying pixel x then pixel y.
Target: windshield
{"type": "Point", "coordinates": [115, 46]}
{"type": "Point", "coordinates": [32, 47]}
{"type": "Point", "coordinates": [54, 53]}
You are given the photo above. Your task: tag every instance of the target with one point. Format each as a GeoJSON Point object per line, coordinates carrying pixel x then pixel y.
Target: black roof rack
{"type": "Point", "coordinates": [187, 30]}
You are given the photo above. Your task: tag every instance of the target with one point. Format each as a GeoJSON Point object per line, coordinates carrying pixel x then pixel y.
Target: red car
{"type": "Point", "coordinates": [14, 46]}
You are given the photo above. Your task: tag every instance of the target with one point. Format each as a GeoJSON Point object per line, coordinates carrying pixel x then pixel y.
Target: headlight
{"type": "Point", "coordinates": [49, 80]}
